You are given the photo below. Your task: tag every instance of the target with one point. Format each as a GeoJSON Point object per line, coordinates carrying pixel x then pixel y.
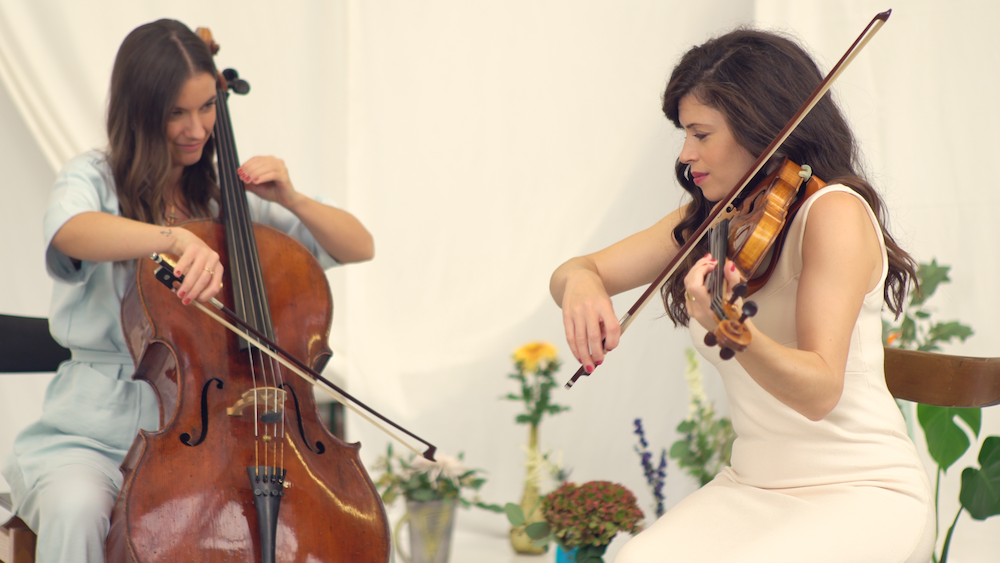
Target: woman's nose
{"type": "Point", "coordinates": [688, 155]}
{"type": "Point", "coordinates": [195, 129]}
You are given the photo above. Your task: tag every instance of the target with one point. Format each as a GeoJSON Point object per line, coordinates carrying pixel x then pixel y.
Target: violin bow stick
{"type": "Point", "coordinates": [626, 320]}
{"type": "Point", "coordinates": [166, 276]}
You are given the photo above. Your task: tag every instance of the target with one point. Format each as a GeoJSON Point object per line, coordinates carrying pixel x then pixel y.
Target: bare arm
{"type": "Point", "coordinates": [101, 237]}
{"type": "Point", "coordinates": [582, 286]}
{"type": "Point", "coordinates": [337, 231]}
{"type": "Point", "coordinates": [841, 262]}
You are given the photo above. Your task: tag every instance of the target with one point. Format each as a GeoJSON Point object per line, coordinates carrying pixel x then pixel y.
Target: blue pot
{"type": "Point", "coordinates": [563, 556]}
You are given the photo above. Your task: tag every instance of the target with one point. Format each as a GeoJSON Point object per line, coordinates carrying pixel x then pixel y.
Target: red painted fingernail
{"type": "Point", "coordinates": [732, 267]}
{"type": "Point", "coordinates": [187, 301]}
{"type": "Point", "coordinates": [181, 294]}
{"type": "Point", "coordinates": [590, 369]}
{"type": "Point", "coordinates": [598, 363]}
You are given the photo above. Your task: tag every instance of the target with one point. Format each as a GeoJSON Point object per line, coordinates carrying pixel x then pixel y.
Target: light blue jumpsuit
{"type": "Point", "coordinates": [63, 472]}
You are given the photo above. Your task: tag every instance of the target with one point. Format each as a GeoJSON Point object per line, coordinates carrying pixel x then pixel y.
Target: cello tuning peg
{"type": "Point", "coordinates": [241, 86]}
{"type": "Point", "coordinates": [749, 310]}
{"type": "Point", "coordinates": [234, 81]}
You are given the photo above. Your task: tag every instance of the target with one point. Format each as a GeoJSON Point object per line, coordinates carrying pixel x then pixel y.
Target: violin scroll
{"type": "Point", "coordinates": [732, 335]}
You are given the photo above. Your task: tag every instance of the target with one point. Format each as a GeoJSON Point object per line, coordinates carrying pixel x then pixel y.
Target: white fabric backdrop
{"type": "Point", "coordinates": [485, 143]}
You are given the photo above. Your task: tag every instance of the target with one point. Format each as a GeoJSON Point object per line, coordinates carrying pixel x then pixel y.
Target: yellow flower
{"type": "Point", "coordinates": [533, 354]}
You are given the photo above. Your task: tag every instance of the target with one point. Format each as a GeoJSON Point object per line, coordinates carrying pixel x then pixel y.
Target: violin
{"type": "Point", "coordinates": [752, 229]}
{"type": "Point", "coordinates": [242, 468]}
{"type": "Point", "coordinates": [727, 203]}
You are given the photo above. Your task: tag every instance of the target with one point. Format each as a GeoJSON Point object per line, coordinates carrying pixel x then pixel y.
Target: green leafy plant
{"type": "Point", "coordinates": [707, 443]}
{"type": "Point", "coordinates": [585, 518]}
{"type": "Point", "coordinates": [419, 479]}
{"type": "Point", "coordinates": [947, 441]}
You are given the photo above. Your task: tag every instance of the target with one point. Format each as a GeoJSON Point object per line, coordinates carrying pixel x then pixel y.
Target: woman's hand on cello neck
{"type": "Point", "coordinates": [337, 231]}
{"type": "Point", "coordinates": [267, 176]}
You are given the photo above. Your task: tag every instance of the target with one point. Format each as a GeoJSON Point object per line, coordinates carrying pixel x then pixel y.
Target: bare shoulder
{"type": "Point", "coordinates": [840, 214]}
{"type": "Point", "coordinates": [841, 235]}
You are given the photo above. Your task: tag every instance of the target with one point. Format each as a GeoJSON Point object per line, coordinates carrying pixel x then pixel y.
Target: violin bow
{"type": "Point", "coordinates": [870, 30]}
{"type": "Point", "coordinates": [165, 274]}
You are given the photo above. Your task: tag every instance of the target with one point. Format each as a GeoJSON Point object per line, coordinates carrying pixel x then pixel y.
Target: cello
{"type": "Point", "coordinates": [242, 468]}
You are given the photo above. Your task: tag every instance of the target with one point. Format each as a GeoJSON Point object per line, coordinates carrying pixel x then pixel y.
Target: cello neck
{"type": "Point", "coordinates": [246, 279]}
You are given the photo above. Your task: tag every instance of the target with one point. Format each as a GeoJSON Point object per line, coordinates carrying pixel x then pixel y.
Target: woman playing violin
{"type": "Point", "coordinates": [107, 211]}
{"type": "Point", "coordinates": [822, 468]}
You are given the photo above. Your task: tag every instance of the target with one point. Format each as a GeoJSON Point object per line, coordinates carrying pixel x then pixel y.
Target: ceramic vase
{"type": "Point", "coordinates": [431, 524]}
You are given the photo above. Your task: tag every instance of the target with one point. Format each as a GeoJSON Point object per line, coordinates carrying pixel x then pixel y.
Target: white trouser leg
{"type": "Point", "coordinates": [70, 510]}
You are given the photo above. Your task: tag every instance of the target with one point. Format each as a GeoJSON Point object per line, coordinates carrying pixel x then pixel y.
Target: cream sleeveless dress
{"type": "Point", "coordinates": [847, 489]}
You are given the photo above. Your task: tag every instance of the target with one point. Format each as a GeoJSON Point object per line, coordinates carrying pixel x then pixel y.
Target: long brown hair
{"type": "Point", "coordinates": [757, 80]}
{"type": "Point", "coordinates": [152, 65]}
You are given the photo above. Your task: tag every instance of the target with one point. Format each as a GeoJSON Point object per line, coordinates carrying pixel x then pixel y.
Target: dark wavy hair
{"type": "Point", "coordinates": [758, 80]}
{"type": "Point", "coordinates": [152, 65]}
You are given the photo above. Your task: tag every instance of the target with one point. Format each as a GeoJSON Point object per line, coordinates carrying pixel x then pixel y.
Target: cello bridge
{"type": "Point", "coordinates": [271, 399]}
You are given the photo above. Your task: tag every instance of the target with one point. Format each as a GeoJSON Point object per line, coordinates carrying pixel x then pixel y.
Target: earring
{"type": "Point", "coordinates": [687, 172]}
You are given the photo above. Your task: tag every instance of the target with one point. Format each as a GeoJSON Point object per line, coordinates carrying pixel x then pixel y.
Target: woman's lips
{"type": "Point", "coordinates": [698, 177]}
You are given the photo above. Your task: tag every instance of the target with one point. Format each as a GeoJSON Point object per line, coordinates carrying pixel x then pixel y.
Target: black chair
{"type": "Point", "coordinates": [25, 347]}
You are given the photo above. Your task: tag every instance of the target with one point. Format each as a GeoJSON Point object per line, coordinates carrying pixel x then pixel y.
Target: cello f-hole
{"type": "Point", "coordinates": [185, 437]}
{"type": "Point", "coordinates": [320, 448]}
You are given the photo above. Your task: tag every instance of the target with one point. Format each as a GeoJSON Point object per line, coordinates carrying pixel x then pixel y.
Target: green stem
{"type": "Point", "coordinates": [947, 538]}
{"type": "Point", "coordinates": [937, 516]}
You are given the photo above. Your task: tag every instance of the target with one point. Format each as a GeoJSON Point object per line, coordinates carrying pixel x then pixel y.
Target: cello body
{"type": "Point", "coordinates": [182, 502]}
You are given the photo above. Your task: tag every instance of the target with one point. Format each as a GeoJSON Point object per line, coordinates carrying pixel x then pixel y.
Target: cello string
{"type": "Point", "coordinates": [235, 227]}
{"type": "Point", "coordinates": [254, 294]}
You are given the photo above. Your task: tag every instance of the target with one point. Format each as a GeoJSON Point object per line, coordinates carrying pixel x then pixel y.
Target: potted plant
{"type": "Point", "coordinates": [432, 490]}
{"type": "Point", "coordinates": [583, 519]}
{"type": "Point", "coordinates": [534, 365]}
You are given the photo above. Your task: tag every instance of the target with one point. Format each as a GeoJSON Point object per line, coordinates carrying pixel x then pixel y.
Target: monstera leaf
{"type": "Point", "coordinates": [946, 441]}
{"type": "Point", "coordinates": [980, 493]}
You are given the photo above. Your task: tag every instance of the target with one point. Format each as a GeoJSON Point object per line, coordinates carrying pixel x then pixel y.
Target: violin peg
{"type": "Point", "coordinates": [710, 339]}
{"type": "Point", "coordinates": [749, 310]}
{"type": "Point", "coordinates": [739, 290]}
{"type": "Point", "coordinates": [726, 353]}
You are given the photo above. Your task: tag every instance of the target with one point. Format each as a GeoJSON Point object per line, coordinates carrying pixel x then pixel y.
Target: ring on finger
{"type": "Point", "coordinates": [688, 296]}
{"type": "Point", "coordinates": [210, 272]}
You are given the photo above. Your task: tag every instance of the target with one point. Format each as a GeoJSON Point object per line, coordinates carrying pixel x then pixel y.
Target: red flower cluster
{"type": "Point", "coordinates": [590, 514]}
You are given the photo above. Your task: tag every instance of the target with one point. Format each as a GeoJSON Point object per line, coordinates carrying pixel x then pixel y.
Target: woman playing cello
{"type": "Point", "coordinates": [822, 468]}
{"type": "Point", "coordinates": [108, 210]}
